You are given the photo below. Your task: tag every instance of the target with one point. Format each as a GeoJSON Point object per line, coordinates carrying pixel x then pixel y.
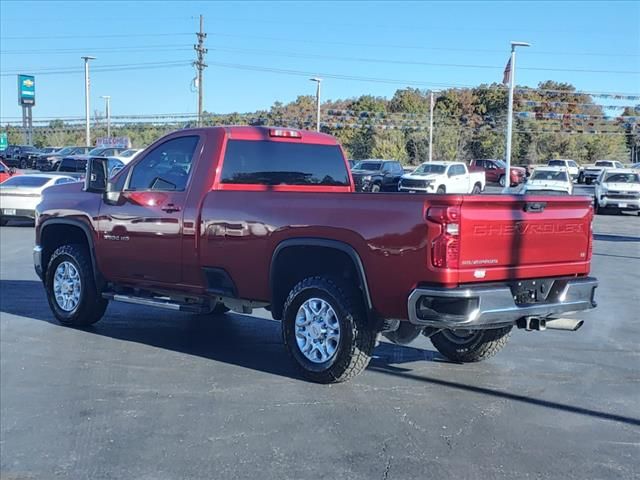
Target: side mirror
{"type": "Point", "coordinates": [96, 178]}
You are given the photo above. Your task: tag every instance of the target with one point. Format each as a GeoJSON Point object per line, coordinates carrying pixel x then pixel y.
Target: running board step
{"type": "Point", "coordinates": [156, 302]}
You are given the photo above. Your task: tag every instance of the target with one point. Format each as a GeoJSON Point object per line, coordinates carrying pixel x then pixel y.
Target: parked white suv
{"type": "Point", "coordinates": [572, 168]}
{"type": "Point", "coordinates": [442, 177]}
{"type": "Point", "coordinates": [545, 180]}
{"type": "Point", "coordinates": [618, 189]}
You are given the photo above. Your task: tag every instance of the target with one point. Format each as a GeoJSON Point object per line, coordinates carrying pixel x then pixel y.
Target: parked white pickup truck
{"type": "Point", "coordinates": [618, 189]}
{"type": "Point", "coordinates": [442, 177]}
{"type": "Point", "coordinates": [592, 172]}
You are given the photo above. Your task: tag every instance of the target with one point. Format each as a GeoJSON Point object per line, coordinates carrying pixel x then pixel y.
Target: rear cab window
{"type": "Point", "coordinates": [267, 163]}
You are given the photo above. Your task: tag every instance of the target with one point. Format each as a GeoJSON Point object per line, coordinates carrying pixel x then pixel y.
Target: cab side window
{"type": "Point", "coordinates": [166, 167]}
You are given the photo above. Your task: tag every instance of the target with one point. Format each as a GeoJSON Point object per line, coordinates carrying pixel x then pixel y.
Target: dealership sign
{"type": "Point", "coordinates": [26, 90]}
{"type": "Point", "coordinates": [115, 142]}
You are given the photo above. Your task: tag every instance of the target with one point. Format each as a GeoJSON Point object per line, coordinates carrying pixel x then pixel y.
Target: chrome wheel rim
{"type": "Point", "coordinates": [460, 337]}
{"type": "Point", "coordinates": [317, 330]}
{"type": "Point", "coordinates": [67, 286]}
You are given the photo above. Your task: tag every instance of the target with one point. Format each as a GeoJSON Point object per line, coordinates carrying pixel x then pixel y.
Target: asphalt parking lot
{"type": "Point", "coordinates": [149, 394]}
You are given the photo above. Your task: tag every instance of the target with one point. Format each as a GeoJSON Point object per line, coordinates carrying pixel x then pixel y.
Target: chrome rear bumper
{"type": "Point", "coordinates": [480, 307]}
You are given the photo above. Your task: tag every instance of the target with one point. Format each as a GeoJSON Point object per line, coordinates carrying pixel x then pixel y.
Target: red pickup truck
{"type": "Point", "coordinates": [246, 217]}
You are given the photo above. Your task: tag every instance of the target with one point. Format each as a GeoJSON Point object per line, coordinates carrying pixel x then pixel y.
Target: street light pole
{"type": "Point", "coordinates": [431, 127]}
{"type": "Point", "coordinates": [512, 83]}
{"type": "Point", "coordinates": [107, 100]}
{"type": "Point", "coordinates": [318, 82]}
{"type": "Point", "coordinates": [87, 128]}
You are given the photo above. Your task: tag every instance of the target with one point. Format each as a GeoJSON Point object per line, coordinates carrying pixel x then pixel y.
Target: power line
{"type": "Point", "coordinates": [412, 62]}
{"type": "Point", "coordinates": [102, 68]}
{"type": "Point", "coordinates": [414, 47]}
{"type": "Point", "coordinates": [93, 35]}
{"type": "Point", "coordinates": [98, 49]}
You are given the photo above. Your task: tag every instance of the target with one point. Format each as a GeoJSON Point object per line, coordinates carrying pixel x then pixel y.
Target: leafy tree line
{"type": "Point", "coordinates": [468, 123]}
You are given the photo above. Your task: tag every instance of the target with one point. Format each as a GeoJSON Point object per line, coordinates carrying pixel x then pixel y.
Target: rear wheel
{"type": "Point", "coordinates": [23, 164]}
{"type": "Point", "coordinates": [476, 189]}
{"type": "Point", "coordinates": [441, 189]}
{"type": "Point", "coordinates": [502, 181]}
{"type": "Point", "coordinates": [470, 345]}
{"type": "Point", "coordinates": [71, 289]}
{"type": "Point", "coordinates": [325, 330]}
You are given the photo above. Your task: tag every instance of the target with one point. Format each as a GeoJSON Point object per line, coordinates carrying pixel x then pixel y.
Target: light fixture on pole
{"type": "Point", "coordinates": [510, 76]}
{"type": "Point", "coordinates": [107, 101]}
{"type": "Point", "coordinates": [318, 82]}
{"type": "Point", "coordinates": [87, 129]}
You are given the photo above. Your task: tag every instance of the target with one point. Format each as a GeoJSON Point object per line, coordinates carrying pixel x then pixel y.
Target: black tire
{"type": "Point", "coordinates": [477, 346]}
{"type": "Point", "coordinates": [476, 189]}
{"type": "Point", "coordinates": [91, 305]}
{"type": "Point", "coordinates": [375, 188]}
{"type": "Point", "coordinates": [23, 164]}
{"type": "Point", "coordinates": [357, 337]}
{"type": "Point", "coordinates": [580, 178]}
{"type": "Point", "coordinates": [3, 221]}
{"type": "Point", "coordinates": [441, 189]}
{"type": "Point", "coordinates": [588, 181]}
{"type": "Point", "coordinates": [502, 181]}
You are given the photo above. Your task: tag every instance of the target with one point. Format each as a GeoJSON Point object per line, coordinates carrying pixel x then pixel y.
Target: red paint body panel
{"type": "Point", "coordinates": [492, 175]}
{"type": "Point", "coordinates": [238, 228]}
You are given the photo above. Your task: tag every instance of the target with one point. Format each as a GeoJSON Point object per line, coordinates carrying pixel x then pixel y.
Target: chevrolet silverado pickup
{"type": "Point", "coordinates": [442, 177]}
{"type": "Point", "coordinates": [211, 219]}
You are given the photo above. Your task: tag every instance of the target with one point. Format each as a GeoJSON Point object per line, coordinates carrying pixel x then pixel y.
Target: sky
{"type": "Point", "coordinates": [262, 52]}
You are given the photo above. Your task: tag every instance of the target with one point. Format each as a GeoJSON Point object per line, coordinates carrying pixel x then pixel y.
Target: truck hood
{"type": "Point", "coordinates": [429, 176]}
{"type": "Point", "coordinates": [362, 173]}
{"type": "Point", "coordinates": [622, 187]}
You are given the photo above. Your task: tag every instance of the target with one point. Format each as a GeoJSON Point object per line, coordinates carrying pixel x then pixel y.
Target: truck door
{"type": "Point", "coordinates": [141, 235]}
{"type": "Point", "coordinates": [458, 181]}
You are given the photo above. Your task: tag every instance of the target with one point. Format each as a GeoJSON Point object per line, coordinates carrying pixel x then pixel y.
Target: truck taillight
{"type": "Point", "coordinates": [283, 132]}
{"type": "Point", "coordinates": [445, 248]}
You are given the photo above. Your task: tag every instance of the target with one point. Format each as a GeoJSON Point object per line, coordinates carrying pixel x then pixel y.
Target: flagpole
{"type": "Point", "coordinates": [512, 83]}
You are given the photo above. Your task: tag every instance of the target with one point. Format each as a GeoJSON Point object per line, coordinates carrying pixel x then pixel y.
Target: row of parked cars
{"type": "Point", "coordinates": [20, 192]}
{"type": "Point", "coordinates": [51, 158]}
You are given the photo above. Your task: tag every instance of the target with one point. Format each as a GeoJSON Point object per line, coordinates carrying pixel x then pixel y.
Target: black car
{"type": "Point", "coordinates": [20, 156]}
{"type": "Point", "coordinates": [49, 161]}
{"type": "Point", "coordinates": [377, 175]}
{"type": "Point", "coordinates": [78, 165]}
{"type": "Point", "coordinates": [96, 152]}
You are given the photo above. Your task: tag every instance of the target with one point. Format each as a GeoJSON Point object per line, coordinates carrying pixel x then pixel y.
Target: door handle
{"type": "Point", "coordinates": [170, 208]}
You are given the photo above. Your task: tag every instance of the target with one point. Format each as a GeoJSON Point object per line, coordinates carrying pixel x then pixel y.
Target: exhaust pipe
{"type": "Point", "coordinates": [532, 323]}
{"type": "Point", "coordinates": [569, 324]}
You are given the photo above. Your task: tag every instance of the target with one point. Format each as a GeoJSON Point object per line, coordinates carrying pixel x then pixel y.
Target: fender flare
{"type": "Point", "coordinates": [99, 279]}
{"type": "Point", "coordinates": [326, 243]}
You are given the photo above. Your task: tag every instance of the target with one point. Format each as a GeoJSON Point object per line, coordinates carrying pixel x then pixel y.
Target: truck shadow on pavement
{"type": "Point", "coordinates": [245, 341]}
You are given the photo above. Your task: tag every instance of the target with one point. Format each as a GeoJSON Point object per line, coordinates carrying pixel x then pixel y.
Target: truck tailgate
{"type": "Point", "coordinates": [507, 237]}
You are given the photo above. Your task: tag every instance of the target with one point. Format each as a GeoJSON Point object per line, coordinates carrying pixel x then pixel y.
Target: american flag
{"type": "Point", "coordinates": [506, 79]}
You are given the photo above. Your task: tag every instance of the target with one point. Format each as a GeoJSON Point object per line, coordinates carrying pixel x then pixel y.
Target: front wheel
{"type": "Point", "coordinates": [502, 181]}
{"type": "Point", "coordinates": [476, 190]}
{"type": "Point", "coordinates": [325, 330]}
{"type": "Point", "coordinates": [441, 189]}
{"type": "Point", "coordinates": [470, 345]}
{"type": "Point", "coordinates": [71, 290]}
{"type": "Point", "coordinates": [23, 164]}
{"type": "Point", "coordinates": [375, 188]}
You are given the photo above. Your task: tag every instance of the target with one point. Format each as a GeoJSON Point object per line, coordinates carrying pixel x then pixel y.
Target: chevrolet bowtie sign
{"type": "Point", "coordinates": [26, 90]}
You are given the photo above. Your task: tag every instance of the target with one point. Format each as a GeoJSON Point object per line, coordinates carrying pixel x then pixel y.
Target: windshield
{"type": "Point", "coordinates": [128, 153]}
{"type": "Point", "coordinates": [549, 176]}
{"type": "Point", "coordinates": [368, 166]}
{"type": "Point", "coordinates": [556, 163]}
{"type": "Point", "coordinates": [427, 168]}
{"type": "Point", "coordinates": [97, 151]}
{"type": "Point", "coordinates": [25, 181]}
{"type": "Point", "coordinates": [604, 164]}
{"type": "Point", "coordinates": [500, 164]}
{"type": "Point", "coordinates": [622, 178]}
{"type": "Point", "coordinates": [66, 150]}
{"type": "Point", "coordinates": [78, 150]}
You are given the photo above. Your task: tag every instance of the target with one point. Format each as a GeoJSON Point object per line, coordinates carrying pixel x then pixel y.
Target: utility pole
{"type": "Point", "coordinates": [318, 82]}
{"type": "Point", "coordinates": [87, 128]}
{"type": "Point", "coordinates": [107, 101]}
{"type": "Point", "coordinates": [431, 127]}
{"type": "Point", "coordinates": [200, 65]}
{"type": "Point", "coordinates": [512, 83]}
